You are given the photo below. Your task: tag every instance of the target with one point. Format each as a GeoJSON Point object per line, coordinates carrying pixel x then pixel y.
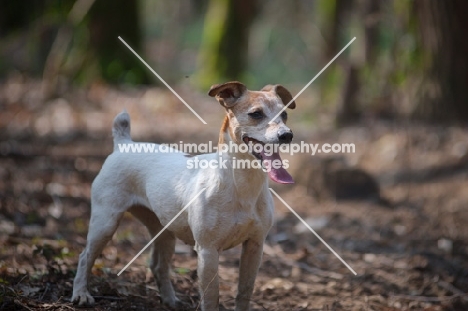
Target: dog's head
{"type": "Point", "coordinates": [251, 116]}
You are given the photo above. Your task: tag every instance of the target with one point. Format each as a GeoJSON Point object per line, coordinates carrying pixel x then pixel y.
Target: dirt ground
{"type": "Point", "coordinates": [408, 246]}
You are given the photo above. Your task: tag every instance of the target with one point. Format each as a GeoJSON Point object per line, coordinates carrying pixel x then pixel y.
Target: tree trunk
{"type": "Point", "coordinates": [341, 15]}
{"type": "Point", "coordinates": [347, 108]}
{"type": "Point", "coordinates": [108, 21]}
{"type": "Point", "coordinates": [442, 26]}
{"type": "Point", "coordinates": [224, 49]}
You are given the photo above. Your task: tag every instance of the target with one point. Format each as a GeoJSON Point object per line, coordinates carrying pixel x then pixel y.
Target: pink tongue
{"type": "Point", "coordinates": [279, 175]}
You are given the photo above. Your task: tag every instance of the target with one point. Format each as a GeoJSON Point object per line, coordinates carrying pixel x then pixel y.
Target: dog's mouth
{"type": "Point", "coordinates": [271, 161]}
{"type": "Point", "coordinates": [251, 141]}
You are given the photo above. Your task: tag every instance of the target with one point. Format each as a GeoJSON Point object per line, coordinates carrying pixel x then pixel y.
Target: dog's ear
{"type": "Point", "coordinates": [282, 93]}
{"type": "Point", "coordinates": [228, 93]}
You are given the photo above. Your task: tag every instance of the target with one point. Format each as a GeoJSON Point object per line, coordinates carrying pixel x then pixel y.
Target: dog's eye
{"type": "Point", "coordinates": [284, 115]}
{"type": "Point", "coordinates": [257, 115]}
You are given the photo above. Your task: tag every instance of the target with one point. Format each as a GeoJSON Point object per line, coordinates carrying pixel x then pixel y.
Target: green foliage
{"type": "Point", "coordinates": [212, 64]}
{"type": "Point", "coordinates": [329, 85]}
{"type": "Point", "coordinates": [182, 270]}
{"type": "Point", "coordinates": [206, 41]}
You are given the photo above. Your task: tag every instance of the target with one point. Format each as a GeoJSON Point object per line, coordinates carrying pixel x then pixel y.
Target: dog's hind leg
{"type": "Point", "coordinates": [161, 254]}
{"type": "Point", "coordinates": [102, 227]}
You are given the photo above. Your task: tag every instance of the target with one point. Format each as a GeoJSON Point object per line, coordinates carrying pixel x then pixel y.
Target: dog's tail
{"type": "Point", "coordinates": [121, 128]}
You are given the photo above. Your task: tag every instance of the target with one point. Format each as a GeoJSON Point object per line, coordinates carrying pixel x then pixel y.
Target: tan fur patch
{"type": "Point", "coordinates": [223, 130]}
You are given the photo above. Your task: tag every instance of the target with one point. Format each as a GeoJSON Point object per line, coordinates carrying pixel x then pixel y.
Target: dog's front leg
{"type": "Point", "coordinates": [208, 260]}
{"type": "Point", "coordinates": [251, 257]}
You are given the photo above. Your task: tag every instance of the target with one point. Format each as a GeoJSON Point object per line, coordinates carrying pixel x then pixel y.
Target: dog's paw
{"type": "Point", "coordinates": [82, 298]}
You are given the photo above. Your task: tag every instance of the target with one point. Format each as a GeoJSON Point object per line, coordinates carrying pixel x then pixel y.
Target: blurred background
{"type": "Point", "coordinates": [408, 59]}
{"type": "Point", "coordinates": [396, 209]}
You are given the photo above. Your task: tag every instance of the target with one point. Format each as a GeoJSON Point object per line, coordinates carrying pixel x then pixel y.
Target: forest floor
{"type": "Point", "coordinates": [409, 248]}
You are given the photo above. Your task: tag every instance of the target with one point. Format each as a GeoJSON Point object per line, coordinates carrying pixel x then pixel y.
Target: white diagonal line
{"type": "Point", "coordinates": [313, 231]}
{"type": "Point", "coordinates": [162, 80]}
{"type": "Point", "coordinates": [313, 79]}
{"type": "Point", "coordinates": [162, 230]}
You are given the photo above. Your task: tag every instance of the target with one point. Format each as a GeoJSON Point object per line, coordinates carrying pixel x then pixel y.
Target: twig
{"type": "Point", "coordinates": [45, 291]}
{"type": "Point", "coordinates": [16, 301]}
{"type": "Point", "coordinates": [319, 272]}
{"type": "Point", "coordinates": [22, 279]}
{"type": "Point", "coordinates": [64, 304]}
{"type": "Point", "coordinates": [8, 287]}
{"type": "Point", "coordinates": [453, 289]}
{"type": "Point", "coordinates": [56, 306]}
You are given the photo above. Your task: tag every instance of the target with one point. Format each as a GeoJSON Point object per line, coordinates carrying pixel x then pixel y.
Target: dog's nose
{"type": "Point", "coordinates": [285, 137]}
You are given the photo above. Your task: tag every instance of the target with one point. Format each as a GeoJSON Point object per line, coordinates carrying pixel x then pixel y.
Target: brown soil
{"type": "Point", "coordinates": [409, 249]}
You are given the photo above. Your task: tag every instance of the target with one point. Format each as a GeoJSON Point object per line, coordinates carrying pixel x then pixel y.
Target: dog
{"type": "Point", "coordinates": [235, 207]}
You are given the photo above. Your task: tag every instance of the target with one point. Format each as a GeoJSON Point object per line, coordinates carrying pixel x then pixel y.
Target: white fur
{"type": "Point", "coordinates": [236, 208]}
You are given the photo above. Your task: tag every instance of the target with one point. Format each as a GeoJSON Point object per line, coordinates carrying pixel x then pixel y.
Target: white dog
{"type": "Point", "coordinates": [235, 208]}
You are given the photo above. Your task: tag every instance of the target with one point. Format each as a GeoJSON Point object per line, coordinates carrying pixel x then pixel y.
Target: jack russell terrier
{"type": "Point", "coordinates": [235, 208]}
